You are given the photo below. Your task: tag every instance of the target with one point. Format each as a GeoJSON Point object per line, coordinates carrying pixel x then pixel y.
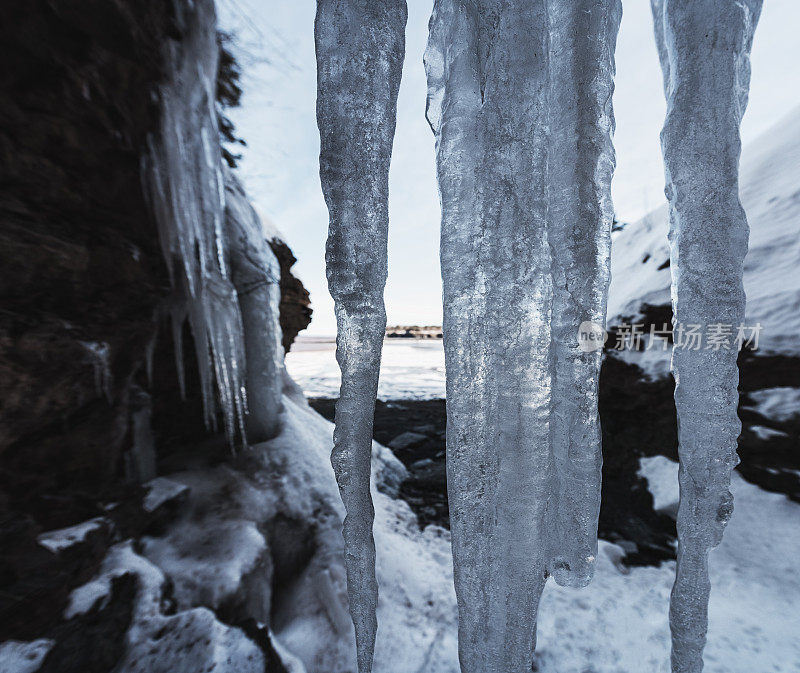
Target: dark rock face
{"type": "Point", "coordinates": [82, 282]}
{"type": "Point", "coordinates": [79, 258]}
{"type": "Point", "coordinates": [295, 300]}
{"type": "Point", "coordinates": [81, 270]}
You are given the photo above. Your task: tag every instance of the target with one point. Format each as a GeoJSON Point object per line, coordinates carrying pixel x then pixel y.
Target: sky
{"type": "Point", "coordinates": [277, 119]}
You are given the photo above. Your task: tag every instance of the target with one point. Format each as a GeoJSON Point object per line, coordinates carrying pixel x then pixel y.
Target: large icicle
{"type": "Point", "coordinates": [583, 35]}
{"type": "Point", "coordinates": [519, 100]}
{"type": "Point", "coordinates": [360, 48]}
{"type": "Point", "coordinates": [704, 47]}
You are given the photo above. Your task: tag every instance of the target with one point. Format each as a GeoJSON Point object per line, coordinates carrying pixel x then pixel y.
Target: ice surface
{"type": "Point", "coordinates": [704, 46]}
{"type": "Point", "coordinates": [580, 166]}
{"type": "Point", "coordinates": [410, 369]}
{"type": "Point", "coordinates": [99, 356]}
{"type": "Point", "coordinates": [360, 48]}
{"type": "Point", "coordinates": [524, 161]}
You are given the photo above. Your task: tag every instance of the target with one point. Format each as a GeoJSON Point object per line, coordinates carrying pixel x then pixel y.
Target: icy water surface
{"type": "Point", "coordinates": [411, 369]}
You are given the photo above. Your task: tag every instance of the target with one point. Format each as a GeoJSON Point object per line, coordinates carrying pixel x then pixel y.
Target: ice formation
{"type": "Point", "coordinates": [704, 47]}
{"type": "Point", "coordinates": [520, 102]}
{"type": "Point", "coordinates": [256, 276]}
{"type": "Point", "coordinates": [183, 173]}
{"type": "Point", "coordinates": [360, 49]}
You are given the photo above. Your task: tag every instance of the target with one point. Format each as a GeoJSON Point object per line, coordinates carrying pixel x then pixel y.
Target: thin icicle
{"type": "Point", "coordinates": [524, 161]}
{"type": "Point", "coordinates": [360, 48]}
{"type": "Point", "coordinates": [704, 46]}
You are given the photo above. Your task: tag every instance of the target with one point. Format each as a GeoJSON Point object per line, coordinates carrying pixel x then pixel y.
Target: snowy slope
{"type": "Point", "coordinates": [770, 193]}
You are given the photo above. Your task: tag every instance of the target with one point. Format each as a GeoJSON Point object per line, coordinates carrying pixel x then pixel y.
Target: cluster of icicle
{"type": "Point", "coordinates": [226, 278]}
{"type": "Point", "coordinates": [519, 100]}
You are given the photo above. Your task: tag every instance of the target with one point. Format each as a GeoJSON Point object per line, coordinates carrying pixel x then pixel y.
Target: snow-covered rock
{"type": "Point", "coordinates": [63, 538]}
{"type": "Point", "coordinates": [161, 491]}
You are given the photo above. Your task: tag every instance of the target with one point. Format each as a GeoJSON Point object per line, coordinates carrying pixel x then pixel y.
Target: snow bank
{"type": "Point", "coordinates": [769, 179]}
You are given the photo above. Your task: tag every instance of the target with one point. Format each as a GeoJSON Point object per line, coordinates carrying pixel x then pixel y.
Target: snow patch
{"type": "Point", "coordinates": [662, 480]}
{"type": "Point", "coordinates": [21, 657]}
{"type": "Point", "coordinates": [777, 404]}
{"type": "Point", "coordinates": [63, 538]}
{"type": "Point", "coordinates": [161, 490]}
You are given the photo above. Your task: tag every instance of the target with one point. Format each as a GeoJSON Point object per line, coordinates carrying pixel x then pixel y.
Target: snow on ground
{"type": "Point", "coordinates": [185, 642]}
{"type": "Point", "coordinates": [619, 624]}
{"type": "Point", "coordinates": [416, 612]}
{"type": "Point", "coordinates": [770, 193]}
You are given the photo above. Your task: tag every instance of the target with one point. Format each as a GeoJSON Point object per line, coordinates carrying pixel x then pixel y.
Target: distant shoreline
{"type": "Point", "coordinates": [414, 332]}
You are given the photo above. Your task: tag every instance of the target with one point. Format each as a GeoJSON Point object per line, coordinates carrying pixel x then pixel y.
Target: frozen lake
{"type": "Point", "coordinates": [410, 368]}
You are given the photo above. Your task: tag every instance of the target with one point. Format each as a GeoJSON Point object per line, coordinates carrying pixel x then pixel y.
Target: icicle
{"type": "Point", "coordinates": [360, 48]}
{"type": "Point", "coordinates": [581, 162]}
{"type": "Point", "coordinates": [183, 173]}
{"type": "Point", "coordinates": [140, 461]}
{"type": "Point", "coordinates": [524, 160]}
{"type": "Point", "coordinates": [150, 350]}
{"type": "Point", "coordinates": [177, 317]}
{"type": "Point", "coordinates": [256, 275]}
{"type": "Point", "coordinates": [704, 46]}
{"type": "Point", "coordinates": [100, 359]}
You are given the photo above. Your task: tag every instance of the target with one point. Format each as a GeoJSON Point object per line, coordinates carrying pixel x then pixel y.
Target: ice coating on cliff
{"type": "Point", "coordinates": [704, 47]}
{"type": "Point", "coordinates": [524, 159]}
{"type": "Point", "coordinates": [255, 273]}
{"type": "Point", "coordinates": [183, 174]}
{"type": "Point", "coordinates": [360, 47]}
